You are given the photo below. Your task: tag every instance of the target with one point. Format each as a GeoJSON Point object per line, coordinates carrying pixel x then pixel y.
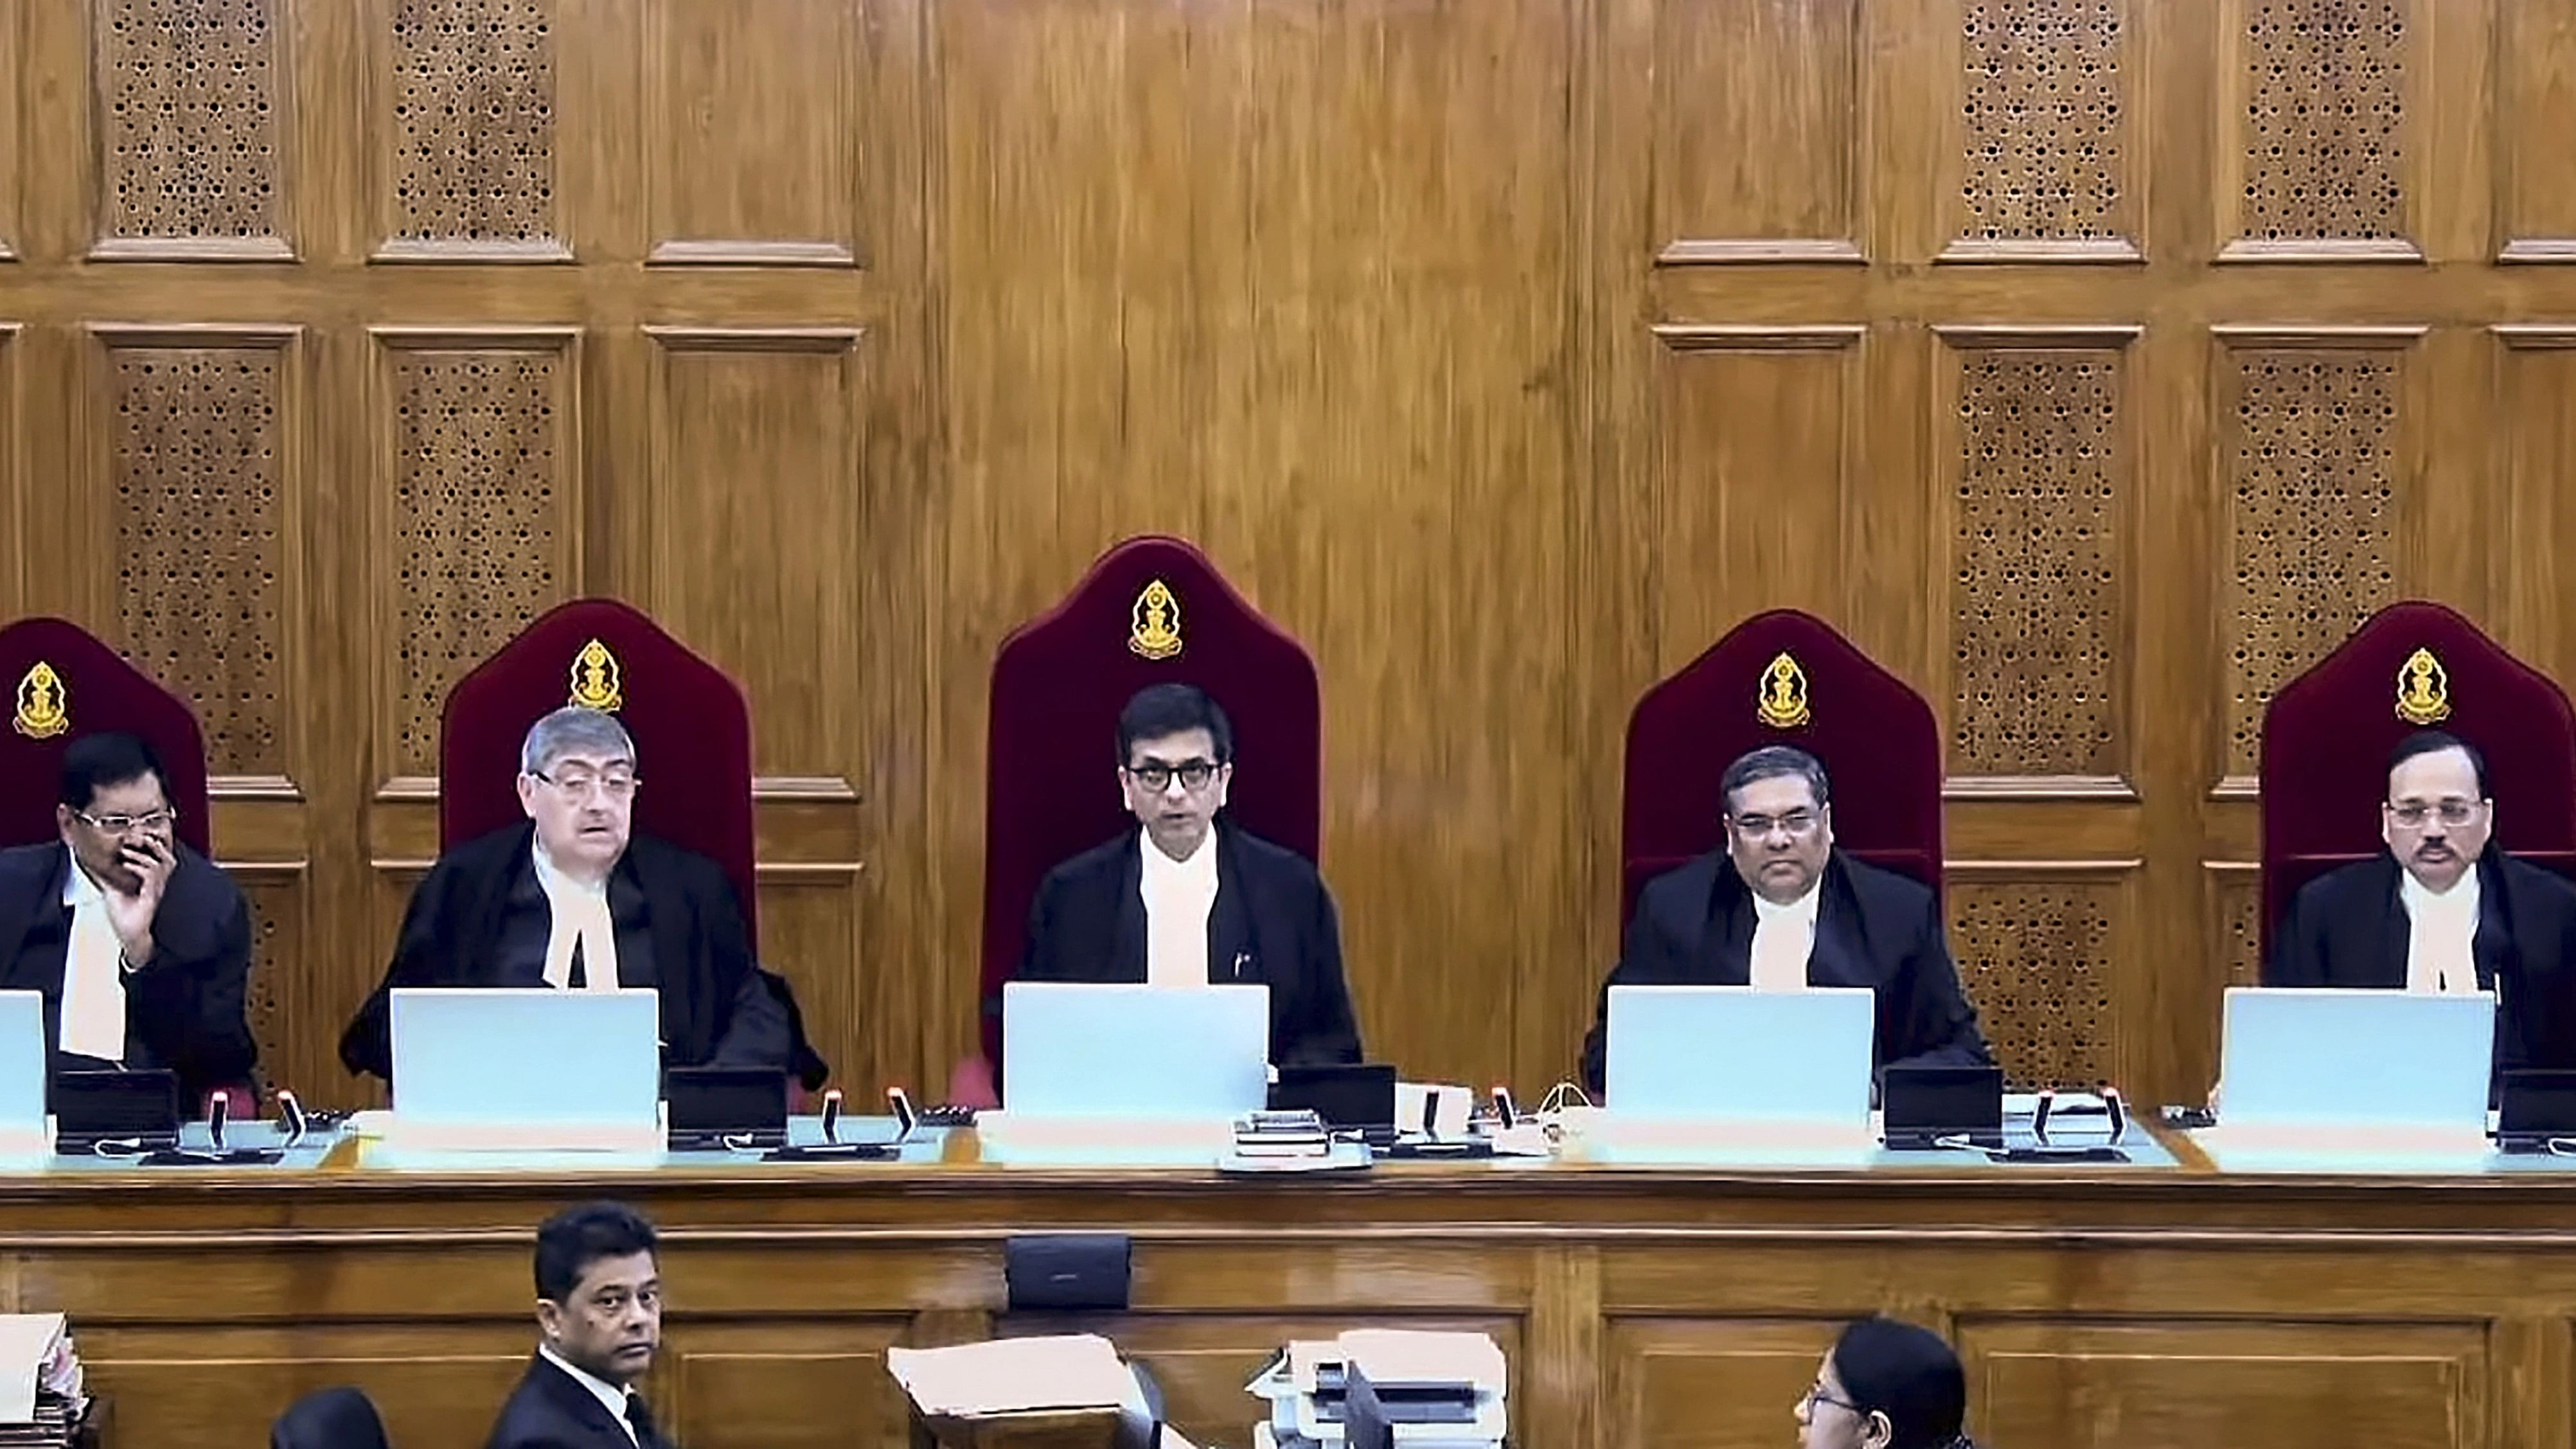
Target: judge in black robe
{"type": "Point", "coordinates": [185, 1002]}
{"type": "Point", "coordinates": [1270, 922]}
{"type": "Point", "coordinates": [482, 918]}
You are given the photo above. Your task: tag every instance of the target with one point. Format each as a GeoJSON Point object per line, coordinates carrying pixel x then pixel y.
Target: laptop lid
{"type": "Point", "coordinates": [22, 1067]}
{"type": "Point", "coordinates": [2343, 1058]}
{"type": "Point", "coordinates": [1736, 1053]}
{"type": "Point", "coordinates": [507, 1056]}
{"type": "Point", "coordinates": [1078, 1049]}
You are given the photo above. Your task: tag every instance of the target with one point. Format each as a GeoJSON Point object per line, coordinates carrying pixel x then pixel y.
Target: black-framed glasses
{"type": "Point", "coordinates": [1816, 1395]}
{"type": "Point", "coordinates": [1797, 823]}
{"type": "Point", "coordinates": [160, 819]}
{"type": "Point", "coordinates": [2450, 812]}
{"type": "Point", "coordinates": [1157, 777]}
{"type": "Point", "coordinates": [578, 784]}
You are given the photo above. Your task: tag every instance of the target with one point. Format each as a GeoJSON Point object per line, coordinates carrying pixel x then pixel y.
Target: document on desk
{"type": "Point", "coordinates": [29, 1345]}
{"type": "Point", "coordinates": [1013, 1375]}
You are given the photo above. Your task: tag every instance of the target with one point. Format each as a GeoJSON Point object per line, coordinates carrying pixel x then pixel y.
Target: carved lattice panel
{"type": "Point", "coordinates": [2045, 119]}
{"type": "Point", "coordinates": [2325, 119]}
{"type": "Point", "coordinates": [189, 118]}
{"type": "Point", "coordinates": [199, 518]}
{"type": "Point", "coordinates": [480, 520]}
{"type": "Point", "coordinates": [473, 120]}
{"type": "Point", "coordinates": [2237, 897]}
{"type": "Point", "coordinates": [2036, 961]}
{"type": "Point", "coordinates": [2309, 449]}
{"type": "Point", "coordinates": [2035, 582]}
{"type": "Point", "coordinates": [285, 1019]}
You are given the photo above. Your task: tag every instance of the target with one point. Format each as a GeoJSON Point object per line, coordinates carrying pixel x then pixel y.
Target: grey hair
{"type": "Point", "coordinates": [569, 729]}
{"type": "Point", "coordinates": [1774, 762]}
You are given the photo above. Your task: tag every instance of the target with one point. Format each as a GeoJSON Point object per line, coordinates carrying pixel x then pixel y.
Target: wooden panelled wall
{"type": "Point", "coordinates": [2095, 363]}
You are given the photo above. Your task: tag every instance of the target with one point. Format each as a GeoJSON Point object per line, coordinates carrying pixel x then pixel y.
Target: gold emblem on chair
{"type": "Point", "coordinates": [43, 712]}
{"type": "Point", "coordinates": [1781, 702]}
{"type": "Point", "coordinates": [1154, 625]}
{"type": "Point", "coordinates": [595, 679]}
{"type": "Point", "coordinates": [2423, 689]}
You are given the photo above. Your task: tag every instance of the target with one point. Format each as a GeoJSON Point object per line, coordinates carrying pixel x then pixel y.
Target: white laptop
{"type": "Point", "coordinates": [1731, 1053]}
{"type": "Point", "coordinates": [22, 1075]}
{"type": "Point", "coordinates": [526, 1069]}
{"type": "Point", "coordinates": [2406, 1066]}
{"type": "Point", "coordinates": [1134, 1052]}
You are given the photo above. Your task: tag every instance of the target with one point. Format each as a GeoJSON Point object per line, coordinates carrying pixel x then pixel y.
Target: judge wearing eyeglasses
{"type": "Point", "coordinates": [139, 945]}
{"type": "Point", "coordinates": [1190, 899]}
{"type": "Point", "coordinates": [574, 900]}
{"type": "Point", "coordinates": [2442, 910]}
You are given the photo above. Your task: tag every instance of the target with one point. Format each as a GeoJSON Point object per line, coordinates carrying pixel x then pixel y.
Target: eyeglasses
{"type": "Point", "coordinates": [2449, 812]}
{"type": "Point", "coordinates": [161, 819]}
{"type": "Point", "coordinates": [1816, 1395]}
{"type": "Point", "coordinates": [1157, 777]}
{"type": "Point", "coordinates": [1796, 822]}
{"type": "Point", "coordinates": [615, 787]}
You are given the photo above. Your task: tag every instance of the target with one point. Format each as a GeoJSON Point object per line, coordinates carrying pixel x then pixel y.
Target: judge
{"type": "Point", "coordinates": [574, 900]}
{"type": "Point", "coordinates": [1190, 899]}
{"type": "Point", "coordinates": [599, 1322]}
{"type": "Point", "coordinates": [2442, 910]}
{"type": "Point", "coordinates": [139, 945]}
{"type": "Point", "coordinates": [1780, 909]}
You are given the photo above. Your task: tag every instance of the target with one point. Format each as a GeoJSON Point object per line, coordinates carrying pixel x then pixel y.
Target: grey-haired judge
{"type": "Point", "coordinates": [572, 899]}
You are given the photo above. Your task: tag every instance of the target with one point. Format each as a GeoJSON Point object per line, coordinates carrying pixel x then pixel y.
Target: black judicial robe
{"type": "Point", "coordinates": [718, 1007]}
{"type": "Point", "coordinates": [2349, 928]}
{"type": "Point", "coordinates": [184, 1010]}
{"type": "Point", "coordinates": [1874, 928]}
{"type": "Point", "coordinates": [549, 1410]}
{"type": "Point", "coordinates": [1272, 924]}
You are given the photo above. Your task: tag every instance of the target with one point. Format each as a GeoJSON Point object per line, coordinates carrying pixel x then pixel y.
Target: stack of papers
{"type": "Point", "coordinates": [1063, 1391]}
{"type": "Point", "coordinates": [1438, 1390]}
{"type": "Point", "coordinates": [42, 1400]}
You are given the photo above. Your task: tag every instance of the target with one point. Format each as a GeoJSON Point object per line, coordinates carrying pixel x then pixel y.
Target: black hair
{"type": "Point", "coordinates": [111, 757]}
{"type": "Point", "coordinates": [570, 1241]}
{"type": "Point", "coordinates": [2433, 742]}
{"type": "Point", "coordinates": [1159, 710]}
{"type": "Point", "coordinates": [1910, 1375]}
{"type": "Point", "coordinates": [1773, 762]}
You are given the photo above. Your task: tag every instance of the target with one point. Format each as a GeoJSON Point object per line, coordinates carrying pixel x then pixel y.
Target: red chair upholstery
{"type": "Point", "coordinates": [93, 690]}
{"type": "Point", "coordinates": [1878, 740]}
{"type": "Point", "coordinates": [2327, 734]}
{"type": "Point", "coordinates": [1058, 684]}
{"type": "Point", "coordinates": [691, 727]}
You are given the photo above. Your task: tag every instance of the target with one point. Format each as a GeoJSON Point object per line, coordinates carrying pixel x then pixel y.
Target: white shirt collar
{"type": "Point", "coordinates": [610, 1396]}
{"type": "Point", "coordinates": [78, 889]}
{"type": "Point", "coordinates": [554, 882]}
{"type": "Point", "coordinates": [1198, 869]}
{"type": "Point", "coordinates": [1802, 909]}
{"type": "Point", "coordinates": [2422, 900]}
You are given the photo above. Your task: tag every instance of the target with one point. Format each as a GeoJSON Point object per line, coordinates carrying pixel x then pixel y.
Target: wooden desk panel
{"type": "Point", "coordinates": [1644, 1310]}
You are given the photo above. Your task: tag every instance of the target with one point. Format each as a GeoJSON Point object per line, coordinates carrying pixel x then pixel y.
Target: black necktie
{"type": "Point", "coordinates": [640, 1419]}
{"type": "Point", "coordinates": [579, 980]}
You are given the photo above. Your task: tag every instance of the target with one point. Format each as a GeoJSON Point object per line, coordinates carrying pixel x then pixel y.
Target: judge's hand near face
{"type": "Point", "coordinates": [124, 841]}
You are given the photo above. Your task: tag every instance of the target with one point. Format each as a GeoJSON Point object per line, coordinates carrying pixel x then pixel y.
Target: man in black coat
{"type": "Point", "coordinates": [139, 945]}
{"type": "Point", "coordinates": [599, 1320]}
{"type": "Point", "coordinates": [574, 900]}
{"type": "Point", "coordinates": [2442, 910]}
{"type": "Point", "coordinates": [1189, 899]}
{"type": "Point", "coordinates": [1781, 909]}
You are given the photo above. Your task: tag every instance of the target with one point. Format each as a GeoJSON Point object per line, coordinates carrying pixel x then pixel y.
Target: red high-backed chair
{"type": "Point", "coordinates": [2327, 734]}
{"type": "Point", "coordinates": [1878, 740]}
{"type": "Point", "coordinates": [92, 689]}
{"type": "Point", "coordinates": [1058, 684]}
{"type": "Point", "coordinates": [64, 683]}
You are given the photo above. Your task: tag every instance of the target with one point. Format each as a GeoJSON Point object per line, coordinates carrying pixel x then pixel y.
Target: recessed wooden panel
{"type": "Point", "coordinates": [2312, 461]}
{"type": "Point", "coordinates": [2080, 1386]}
{"type": "Point", "coordinates": [192, 99]}
{"type": "Point", "coordinates": [1759, 130]}
{"type": "Point", "coordinates": [281, 1019]}
{"type": "Point", "coordinates": [479, 452]}
{"type": "Point", "coordinates": [2037, 958]}
{"type": "Point", "coordinates": [188, 1386]}
{"type": "Point", "coordinates": [2048, 141]}
{"type": "Point", "coordinates": [1756, 442]}
{"type": "Point", "coordinates": [2039, 462]}
{"type": "Point", "coordinates": [13, 502]}
{"type": "Point", "coordinates": [198, 435]}
{"type": "Point", "coordinates": [809, 933]}
{"type": "Point", "coordinates": [467, 130]}
{"type": "Point", "coordinates": [754, 503]}
{"type": "Point", "coordinates": [1696, 1383]}
{"type": "Point", "coordinates": [779, 1385]}
{"type": "Point", "coordinates": [2535, 113]}
{"type": "Point", "coordinates": [13, 77]}
{"type": "Point", "coordinates": [752, 134]}
{"type": "Point", "coordinates": [2322, 136]}
{"type": "Point", "coordinates": [2236, 929]}
{"type": "Point", "coordinates": [2535, 411]}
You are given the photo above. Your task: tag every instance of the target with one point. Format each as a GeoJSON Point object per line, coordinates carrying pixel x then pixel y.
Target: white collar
{"type": "Point", "coordinates": [2420, 899]}
{"type": "Point", "coordinates": [78, 889]}
{"type": "Point", "coordinates": [610, 1396]}
{"type": "Point", "coordinates": [1200, 865]}
{"type": "Point", "coordinates": [552, 880]}
{"type": "Point", "coordinates": [1801, 909]}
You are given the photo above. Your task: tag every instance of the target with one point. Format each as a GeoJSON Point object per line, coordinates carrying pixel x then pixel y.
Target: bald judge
{"type": "Point", "coordinates": [1780, 909]}
{"type": "Point", "coordinates": [572, 899]}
